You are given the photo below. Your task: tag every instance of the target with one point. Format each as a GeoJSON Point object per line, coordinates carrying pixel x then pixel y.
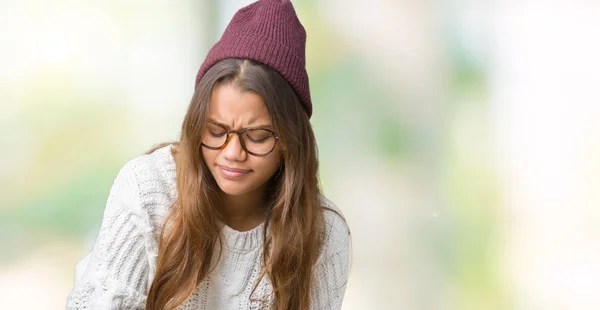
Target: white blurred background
{"type": "Point", "coordinates": [461, 139]}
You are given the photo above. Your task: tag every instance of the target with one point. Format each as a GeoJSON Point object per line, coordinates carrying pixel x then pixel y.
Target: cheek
{"type": "Point", "coordinates": [267, 165]}
{"type": "Point", "coordinates": [209, 157]}
{"type": "Point", "coordinates": [272, 163]}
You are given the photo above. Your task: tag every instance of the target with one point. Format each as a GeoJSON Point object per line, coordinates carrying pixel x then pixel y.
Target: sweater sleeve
{"type": "Point", "coordinates": [330, 274]}
{"type": "Point", "coordinates": [115, 274]}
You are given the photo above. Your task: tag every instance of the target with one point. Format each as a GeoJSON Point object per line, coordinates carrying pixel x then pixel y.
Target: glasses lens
{"type": "Point", "coordinates": [214, 135]}
{"type": "Point", "coordinates": [259, 141]}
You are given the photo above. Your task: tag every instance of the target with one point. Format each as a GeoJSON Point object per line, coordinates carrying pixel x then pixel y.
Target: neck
{"type": "Point", "coordinates": [243, 212]}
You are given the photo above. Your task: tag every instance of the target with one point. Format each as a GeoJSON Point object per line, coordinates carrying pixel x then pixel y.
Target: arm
{"type": "Point", "coordinates": [330, 275]}
{"type": "Point", "coordinates": [116, 275]}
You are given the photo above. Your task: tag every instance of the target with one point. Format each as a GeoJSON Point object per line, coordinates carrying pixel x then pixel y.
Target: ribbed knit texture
{"type": "Point", "coordinates": [267, 31]}
{"type": "Point", "coordinates": [119, 270]}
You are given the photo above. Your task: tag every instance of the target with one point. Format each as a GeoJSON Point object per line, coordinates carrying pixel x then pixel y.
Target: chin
{"type": "Point", "coordinates": [234, 189]}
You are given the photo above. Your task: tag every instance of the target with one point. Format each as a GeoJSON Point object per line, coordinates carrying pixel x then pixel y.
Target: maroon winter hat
{"type": "Point", "coordinates": [267, 31]}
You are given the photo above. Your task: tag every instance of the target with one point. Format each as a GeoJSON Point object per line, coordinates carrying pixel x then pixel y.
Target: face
{"type": "Point", "coordinates": [237, 172]}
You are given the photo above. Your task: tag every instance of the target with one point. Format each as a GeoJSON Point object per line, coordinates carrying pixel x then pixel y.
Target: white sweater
{"type": "Point", "coordinates": [118, 272]}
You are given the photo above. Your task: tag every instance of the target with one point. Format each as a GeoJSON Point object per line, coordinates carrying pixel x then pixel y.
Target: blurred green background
{"type": "Point", "coordinates": [460, 139]}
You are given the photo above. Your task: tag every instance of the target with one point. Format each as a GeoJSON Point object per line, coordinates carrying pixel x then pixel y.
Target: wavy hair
{"type": "Point", "coordinates": [190, 240]}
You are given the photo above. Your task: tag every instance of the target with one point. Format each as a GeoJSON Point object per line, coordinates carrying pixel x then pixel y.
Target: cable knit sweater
{"type": "Point", "coordinates": [119, 270]}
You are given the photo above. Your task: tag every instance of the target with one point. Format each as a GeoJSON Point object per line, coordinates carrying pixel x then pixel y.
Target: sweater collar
{"type": "Point", "coordinates": [244, 240]}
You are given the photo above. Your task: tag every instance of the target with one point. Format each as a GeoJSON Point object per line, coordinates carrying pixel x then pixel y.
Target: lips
{"type": "Point", "coordinates": [232, 173]}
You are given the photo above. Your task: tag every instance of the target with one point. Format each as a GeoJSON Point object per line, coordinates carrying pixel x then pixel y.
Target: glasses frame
{"type": "Point", "coordinates": [229, 131]}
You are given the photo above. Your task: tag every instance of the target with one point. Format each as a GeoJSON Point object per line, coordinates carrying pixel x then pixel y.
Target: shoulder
{"type": "Point", "coordinates": [150, 174]}
{"type": "Point", "coordinates": [334, 218]}
{"type": "Point", "coordinates": [151, 178]}
{"type": "Point", "coordinates": [336, 234]}
{"type": "Point", "coordinates": [154, 172]}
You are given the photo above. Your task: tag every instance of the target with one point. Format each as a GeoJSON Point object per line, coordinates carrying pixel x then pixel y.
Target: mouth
{"type": "Point", "coordinates": [233, 173]}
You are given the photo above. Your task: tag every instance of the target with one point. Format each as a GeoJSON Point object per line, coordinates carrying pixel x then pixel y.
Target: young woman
{"type": "Point", "coordinates": [231, 215]}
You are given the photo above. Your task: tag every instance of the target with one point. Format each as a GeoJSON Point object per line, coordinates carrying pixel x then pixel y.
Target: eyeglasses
{"type": "Point", "coordinates": [255, 141]}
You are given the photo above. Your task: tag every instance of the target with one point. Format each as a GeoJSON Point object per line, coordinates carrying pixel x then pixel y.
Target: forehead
{"type": "Point", "coordinates": [237, 108]}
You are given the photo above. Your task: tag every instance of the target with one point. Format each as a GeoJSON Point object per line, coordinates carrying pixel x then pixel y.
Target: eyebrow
{"type": "Point", "coordinates": [211, 120]}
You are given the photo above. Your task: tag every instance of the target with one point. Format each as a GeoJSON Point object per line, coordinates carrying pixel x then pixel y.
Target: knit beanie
{"type": "Point", "coordinates": [269, 32]}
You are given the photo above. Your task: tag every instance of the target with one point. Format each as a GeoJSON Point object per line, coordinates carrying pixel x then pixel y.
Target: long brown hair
{"type": "Point", "coordinates": [294, 216]}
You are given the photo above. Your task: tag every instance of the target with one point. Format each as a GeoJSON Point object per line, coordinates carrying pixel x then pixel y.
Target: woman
{"type": "Point", "coordinates": [231, 215]}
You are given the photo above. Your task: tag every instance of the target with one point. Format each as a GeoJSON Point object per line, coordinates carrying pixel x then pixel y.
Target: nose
{"type": "Point", "coordinates": [233, 150]}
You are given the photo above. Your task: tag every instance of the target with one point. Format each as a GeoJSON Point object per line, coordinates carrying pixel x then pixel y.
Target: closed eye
{"type": "Point", "coordinates": [259, 140]}
{"type": "Point", "coordinates": [217, 134]}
